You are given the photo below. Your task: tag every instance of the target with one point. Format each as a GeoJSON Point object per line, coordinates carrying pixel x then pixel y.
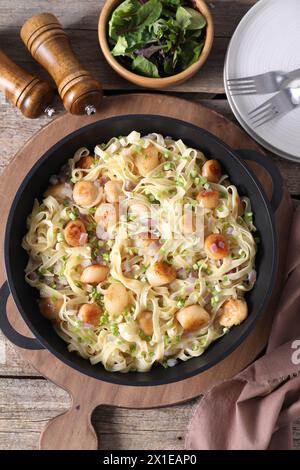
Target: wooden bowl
{"type": "Point", "coordinates": [147, 82]}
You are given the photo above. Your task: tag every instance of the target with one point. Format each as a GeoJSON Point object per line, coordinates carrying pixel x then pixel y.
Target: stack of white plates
{"type": "Point", "coordinates": [267, 39]}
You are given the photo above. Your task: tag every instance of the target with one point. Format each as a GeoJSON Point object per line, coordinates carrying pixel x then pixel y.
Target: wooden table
{"type": "Point", "coordinates": [27, 401]}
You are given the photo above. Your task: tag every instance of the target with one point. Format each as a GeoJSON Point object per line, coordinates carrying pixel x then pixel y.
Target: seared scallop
{"type": "Point", "coordinates": [107, 215]}
{"type": "Point", "coordinates": [208, 198]}
{"type": "Point", "coordinates": [216, 246]}
{"type": "Point", "coordinates": [75, 233]}
{"type": "Point", "coordinates": [90, 313]}
{"type": "Point", "coordinates": [160, 274]}
{"type": "Point", "coordinates": [193, 317]}
{"type": "Point", "coordinates": [86, 162]}
{"type": "Point", "coordinates": [50, 308]}
{"type": "Point", "coordinates": [116, 299]}
{"type": "Point", "coordinates": [146, 160]}
{"type": "Point", "coordinates": [94, 274]}
{"type": "Point", "coordinates": [211, 170]}
{"type": "Point", "coordinates": [145, 322]}
{"type": "Point", "coordinates": [113, 190]}
{"type": "Point", "coordinates": [87, 194]}
{"type": "Point", "coordinates": [234, 312]}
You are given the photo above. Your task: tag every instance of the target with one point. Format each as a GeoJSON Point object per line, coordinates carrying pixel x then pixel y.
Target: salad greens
{"type": "Point", "coordinates": [156, 38]}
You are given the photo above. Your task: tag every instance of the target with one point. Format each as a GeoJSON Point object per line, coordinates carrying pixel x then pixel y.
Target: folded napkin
{"type": "Point", "coordinates": [255, 409]}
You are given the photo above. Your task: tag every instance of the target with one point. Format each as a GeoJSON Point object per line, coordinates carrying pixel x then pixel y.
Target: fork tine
{"type": "Point", "coordinates": [263, 105]}
{"type": "Point", "coordinates": [262, 111]}
{"type": "Point", "coordinates": [272, 116]}
{"type": "Point", "coordinates": [241, 79]}
{"type": "Point", "coordinates": [242, 87]}
{"type": "Point", "coordinates": [263, 116]}
{"type": "Point", "coordinates": [243, 93]}
{"type": "Point", "coordinates": [242, 90]}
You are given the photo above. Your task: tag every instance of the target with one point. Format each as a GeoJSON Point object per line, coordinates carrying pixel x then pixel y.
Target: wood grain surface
{"type": "Point", "coordinates": [27, 401]}
{"type": "Point", "coordinates": [88, 393]}
{"type": "Point", "coordinates": [81, 25]}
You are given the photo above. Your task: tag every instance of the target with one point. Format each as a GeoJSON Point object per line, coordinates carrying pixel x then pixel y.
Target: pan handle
{"type": "Point", "coordinates": [273, 171]}
{"type": "Point", "coordinates": [10, 333]}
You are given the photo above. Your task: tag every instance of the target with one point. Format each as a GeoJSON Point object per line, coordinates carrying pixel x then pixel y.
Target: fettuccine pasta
{"type": "Point", "coordinates": [142, 252]}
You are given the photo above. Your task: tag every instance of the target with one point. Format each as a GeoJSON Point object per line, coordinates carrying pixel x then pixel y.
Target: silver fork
{"type": "Point", "coordinates": [268, 82]}
{"type": "Point", "coordinates": [283, 102]}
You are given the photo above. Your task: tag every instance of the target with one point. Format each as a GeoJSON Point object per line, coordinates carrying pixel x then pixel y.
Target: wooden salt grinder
{"type": "Point", "coordinates": [48, 43]}
{"type": "Point", "coordinates": [29, 93]}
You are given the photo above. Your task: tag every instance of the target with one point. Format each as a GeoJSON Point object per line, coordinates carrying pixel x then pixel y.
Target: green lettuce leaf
{"type": "Point", "coordinates": [190, 52]}
{"type": "Point", "coordinates": [197, 21]}
{"type": "Point", "coordinates": [148, 13]}
{"type": "Point", "coordinates": [156, 37]}
{"type": "Point", "coordinates": [143, 66]}
{"type": "Point", "coordinates": [183, 17]}
{"type": "Point", "coordinates": [123, 18]}
{"type": "Point", "coordinates": [120, 47]}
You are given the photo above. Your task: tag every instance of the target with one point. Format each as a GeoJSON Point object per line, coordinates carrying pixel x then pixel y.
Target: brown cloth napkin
{"type": "Point", "coordinates": [255, 409]}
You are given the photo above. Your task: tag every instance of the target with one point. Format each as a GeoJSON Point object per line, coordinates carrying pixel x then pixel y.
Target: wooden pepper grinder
{"type": "Point", "coordinates": [30, 94]}
{"type": "Point", "coordinates": [50, 46]}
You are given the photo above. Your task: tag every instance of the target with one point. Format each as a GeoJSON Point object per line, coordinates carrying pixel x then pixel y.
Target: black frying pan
{"type": "Point", "coordinates": [37, 180]}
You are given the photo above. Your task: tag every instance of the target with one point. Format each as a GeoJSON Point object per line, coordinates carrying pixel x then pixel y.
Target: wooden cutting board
{"type": "Point", "coordinates": [73, 429]}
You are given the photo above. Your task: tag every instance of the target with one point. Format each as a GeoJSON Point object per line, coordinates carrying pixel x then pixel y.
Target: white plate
{"type": "Point", "coordinates": [266, 39]}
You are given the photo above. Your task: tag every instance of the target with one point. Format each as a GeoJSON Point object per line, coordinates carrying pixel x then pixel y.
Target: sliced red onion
{"type": "Point", "coordinates": [83, 238]}
{"type": "Point", "coordinates": [61, 284]}
{"type": "Point", "coordinates": [193, 274]}
{"type": "Point", "coordinates": [171, 362]}
{"type": "Point", "coordinates": [68, 192]}
{"type": "Point", "coordinates": [182, 273]}
{"type": "Point", "coordinates": [99, 259]}
{"type": "Point", "coordinates": [63, 179]}
{"type": "Point", "coordinates": [103, 235]}
{"type": "Point", "coordinates": [127, 152]}
{"type": "Point", "coordinates": [100, 232]}
{"type": "Point", "coordinates": [127, 267]}
{"type": "Point", "coordinates": [129, 185]}
{"type": "Point", "coordinates": [32, 276]}
{"type": "Point", "coordinates": [54, 179]}
{"type": "Point", "coordinates": [103, 180]}
{"type": "Point", "coordinates": [221, 245]}
{"type": "Point", "coordinates": [98, 184]}
{"type": "Point", "coordinates": [153, 248]}
{"type": "Point", "coordinates": [214, 248]}
{"type": "Point", "coordinates": [190, 289]}
{"type": "Point", "coordinates": [208, 298]}
{"type": "Point", "coordinates": [252, 276]}
{"type": "Point", "coordinates": [86, 262]}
